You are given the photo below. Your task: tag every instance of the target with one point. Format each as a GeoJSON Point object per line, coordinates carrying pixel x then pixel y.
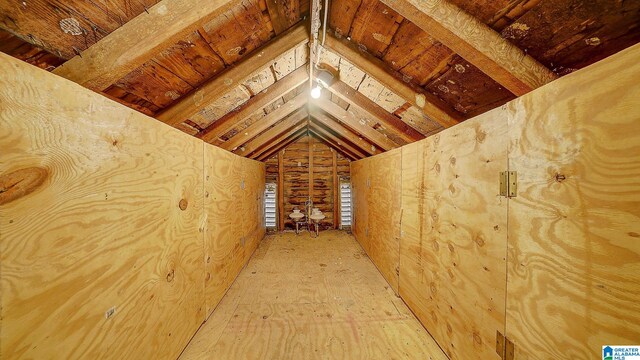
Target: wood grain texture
{"type": "Point", "coordinates": [384, 212]}
{"type": "Point", "coordinates": [255, 103]}
{"type": "Point", "coordinates": [376, 68]}
{"type": "Point", "coordinates": [453, 257]}
{"type": "Point", "coordinates": [223, 250]}
{"type": "Point", "coordinates": [360, 179]}
{"type": "Point", "coordinates": [104, 256]}
{"type": "Point", "coordinates": [346, 134]}
{"type": "Point", "coordinates": [292, 123]}
{"type": "Point", "coordinates": [352, 121]}
{"type": "Point", "coordinates": [335, 142]}
{"type": "Point", "coordinates": [66, 28]}
{"type": "Point", "coordinates": [304, 298]}
{"type": "Point", "coordinates": [106, 230]}
{"type": "Point", "coordinates": [476, 43]}
{"type": "Point", "coordinates": [215, 88]}
{"type": "Point", "coordinates": [293, 108]}
{"type": "Point", "coordinates": [253, 223]}
{"type": "Point", "coordinates": [363, 103]}
{"type": "Point", "coordinates": [134, 43]}
{"type": "Point", "coordinates": [574, 247]}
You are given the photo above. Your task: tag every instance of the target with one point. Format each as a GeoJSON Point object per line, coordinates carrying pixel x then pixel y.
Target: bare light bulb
{"type": "Point", "coordinates": [315, 92]}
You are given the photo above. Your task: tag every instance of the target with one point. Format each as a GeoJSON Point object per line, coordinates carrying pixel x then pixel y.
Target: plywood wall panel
{"type": "Point", "coordinates": [252, 205]}
{"type": "Point", "coordinates": [360, 177]}
{"type": "Point", "coordinates": [384, 203]}
{"type": "Point", "coordinates": [454, 277]}
{"type": "Point", "coordinates": [563, 282]}
{"type": "Point", "coordinates": [114, 225]}
{"type": "Point", "coordinates": [129, 233]}
{"type": "Point", "coordinates": [574, 248]}
{"type": "Point", "coordinates": [224, 255]}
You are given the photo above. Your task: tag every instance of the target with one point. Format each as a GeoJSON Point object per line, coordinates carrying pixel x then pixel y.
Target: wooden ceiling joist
{"type": "Point", "coordinates": [257, 102]}
{"type": "Point", "coordinates": [281, 144]}
{"type": "Point", "coordinates": [342, 131]}
{"type": "Point", "coordinates": [475, 42]}
{"type": "Point", "coordinates": [296, 119]}
{"type": "Point", "coordinates": [336, 142]}
{"type": "Point", "coordinates": [363, 103]}
{"type": "Point", "coordinates": [217, 87]}
{"type": "Point", "coordinates": [377, 69]}
{"type": "Point", "coordinates": [350, 120]}
{"type": "Point", "coordinates": [138, 40]}
{"type": "Point", "coordinates": [269, 120]}
{"type": "Point", "coordinates": [333, 146]}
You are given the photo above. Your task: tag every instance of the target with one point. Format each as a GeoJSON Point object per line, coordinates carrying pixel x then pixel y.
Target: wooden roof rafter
{"type": "Point", "coordinates": [344, 132]}
{"type": "Point", "coordinates": [281, 144]}
{"type": "Point", "coordinates": [294, 105]}
{"type": "Point", "coordinates": [337, 143]}
{"type": "Point", "coordinates": [475, 42]}
{"type": "Point", "coordinates": [138, 40]}
{"type": "Point", "coordinates": [297, 120]}
{"type": "Point", "coordinates": [255, 103]}
{"type": "Point", "coordinates": [392, 80]}
{"type": "Point", "coordinates": [218, 86]}
{"type": "Point", "coordinates": [333, 146]}
{"type": "Point", "coordinates": [363, 103]}
{"type": "Point", "coordinates": [351, 121]}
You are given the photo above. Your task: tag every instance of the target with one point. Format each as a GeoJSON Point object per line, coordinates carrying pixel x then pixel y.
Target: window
{"type": "Point", "coordinates": [345, 204]}
{"type": "Point", "coordinates": [270, 205]}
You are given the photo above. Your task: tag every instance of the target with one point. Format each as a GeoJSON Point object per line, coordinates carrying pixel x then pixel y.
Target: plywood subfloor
{"type": "Point", "coordinates": [304, 298]}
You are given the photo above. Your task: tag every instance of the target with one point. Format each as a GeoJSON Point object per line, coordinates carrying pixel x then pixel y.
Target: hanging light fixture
{"type": "Point", "coordinates": [316, 91]}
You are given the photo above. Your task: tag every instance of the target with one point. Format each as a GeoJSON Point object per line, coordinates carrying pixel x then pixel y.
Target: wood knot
{"type": "Point", "coordinates": [434, 317]}
{"type": "Point", "coordinates": [560, 178]}
{"type": "Point", "coordinates": [476, 338]}
{"type": "Point", "coordinates": [19, 183]}
{"type": "Point", "coordinates": [183, 204]}
{"type": "Point", "coordinates": [434, 289]}
{"type": "Point", "coordinates": [170, 275]}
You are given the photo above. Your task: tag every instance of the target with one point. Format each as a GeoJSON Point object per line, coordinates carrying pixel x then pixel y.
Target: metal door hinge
{"type": "Point", "coordinates": [242, 184]}
{"type": "Point", "coordinates": [505, 347]}
{"type": "Point", "coordinates": [366, 232]}
{"type": "Point", "coordinates": [242, 240]}
{"type": "Point", "coordinates": [509, 184]}
{"type": "Point", "coordinates": [368, 182]}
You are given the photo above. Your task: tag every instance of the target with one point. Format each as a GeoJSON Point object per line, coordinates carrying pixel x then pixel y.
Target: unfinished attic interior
{"type": "Point", "coordinates": [336, 179]}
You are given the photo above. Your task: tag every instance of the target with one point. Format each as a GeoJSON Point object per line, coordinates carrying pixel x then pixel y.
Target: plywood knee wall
{"type": "Point", "coordinates": [118, 234]}
{"type": "Point", "coordinates": [552, 273]}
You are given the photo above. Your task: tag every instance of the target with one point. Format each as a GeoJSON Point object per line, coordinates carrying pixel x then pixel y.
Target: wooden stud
{"type": "Point", "coordinates": [377, 69]}
{"type": "Point", "coordinates": [273, 117]}
{"type": "Point", "coordinates": [476, 42]}
{"type": "Point", "coordinates": [217, 87]}
{"type": "Point", "coordinates": [138, 40]}
{"type": "Point", "coordinates": [257, 102]}
{"type": "Point", "coordinates": [363, 103]}
{"type": "Point", "coordinates": [311, 168]}
{"type": "Point", "coordinates": [336, 191]}
{"type": "Point", "coordinates": [351, 121]}
{"type": "Point", "coordinates": [281, 190]}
